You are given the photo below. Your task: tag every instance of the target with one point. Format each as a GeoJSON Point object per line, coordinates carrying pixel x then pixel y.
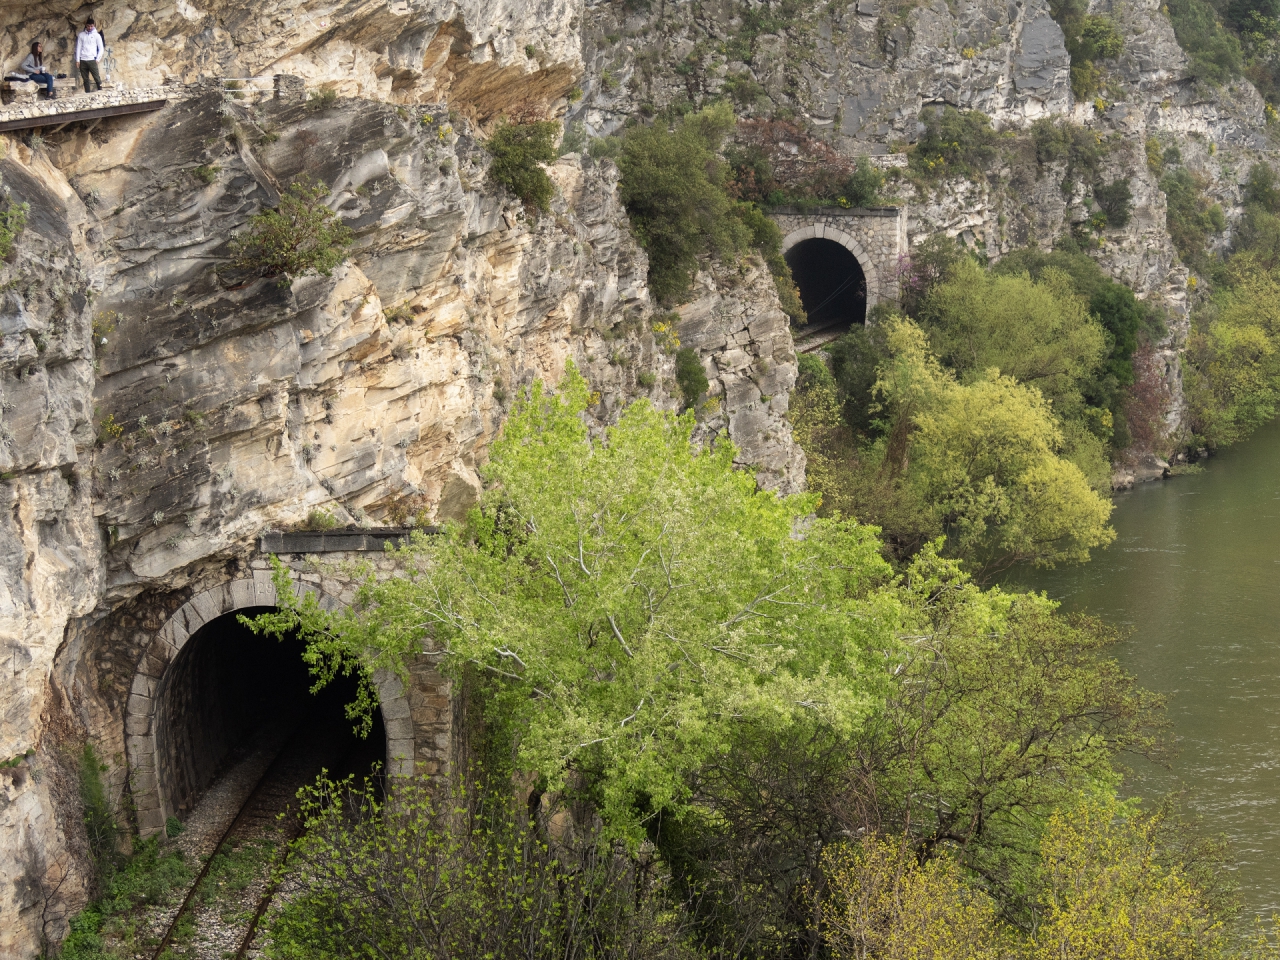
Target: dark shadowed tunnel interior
{"type": "Point", "coordinates": [230, 692]}
{"type": "Point", "coordinates": [832, 286]}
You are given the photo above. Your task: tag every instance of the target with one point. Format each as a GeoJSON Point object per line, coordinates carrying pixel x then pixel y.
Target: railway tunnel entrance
{"type": "Point", "coordinates": [207, 690]}
{"type": "Point", "coordinates": [833, 287]}
{"type": "Point", "coordinates": [230, 693]}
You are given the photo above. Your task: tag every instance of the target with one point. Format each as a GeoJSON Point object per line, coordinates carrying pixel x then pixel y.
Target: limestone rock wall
{"type": "Point", "coordinates": [486, 56]}
{"type": "Point", "coordinates": [161, 409]}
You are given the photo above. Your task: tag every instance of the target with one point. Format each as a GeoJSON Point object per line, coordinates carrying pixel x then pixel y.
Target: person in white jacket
{"type": "Point", "coordinates": [33, 67]}
{"type": "Point", "coordinates": [88, 53]}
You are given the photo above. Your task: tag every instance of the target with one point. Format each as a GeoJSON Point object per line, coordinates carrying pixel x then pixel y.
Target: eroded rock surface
{"type": "Point", "coordinates": [163, 408]}
{"type": "Point", "coordinates": [136, 472]}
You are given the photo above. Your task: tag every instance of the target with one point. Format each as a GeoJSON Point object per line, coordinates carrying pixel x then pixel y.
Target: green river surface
{"type": "Point", "coordinates": [1195, 574]}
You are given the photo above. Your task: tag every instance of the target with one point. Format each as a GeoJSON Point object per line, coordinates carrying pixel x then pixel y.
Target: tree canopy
{"type": "Point", "coordinates": [1037, 331]}
{"type": "Point", "coordinates": [628, 599]}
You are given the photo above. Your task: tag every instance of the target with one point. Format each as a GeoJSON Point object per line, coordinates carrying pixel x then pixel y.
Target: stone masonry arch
{"type": "Point", "coordinates": [150, 801]}
{"type": "Point", "coordinates": [876, 237]}
{"type": "Point", "coordinates": [818, 231]}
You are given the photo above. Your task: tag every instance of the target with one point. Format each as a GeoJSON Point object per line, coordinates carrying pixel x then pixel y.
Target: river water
{"type": "Point", "coordinates": [1195, 574]}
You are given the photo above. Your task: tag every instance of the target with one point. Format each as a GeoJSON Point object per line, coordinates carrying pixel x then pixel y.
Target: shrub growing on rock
{"type": "Point", "coordinates": [424, 877]}
{"type": "Point", "coordinates": [1215, 53]}
{"type": "Point", "coordinates": [1088, 38]}
{"type": "Point", "coordinates": [518, 151]}
{"type": "Point", "coordinates": [673, 187]}
{"type": "Point", "coordinates": [690, 375]}
{"type": "Point", "coordinates": [954, 143]}
{"type": "Point", "coordinates": [12, 221]}
{"type": "Point", "coordinates": [1190, 216]}
{"type": "Point", "coordinates": [298, 237]}
{"type": "Point", "coordinates": [1115, 201]}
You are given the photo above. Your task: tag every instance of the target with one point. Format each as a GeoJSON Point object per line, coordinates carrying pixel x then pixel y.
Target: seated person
{"type": "Point", "coordinates": [33, 67]}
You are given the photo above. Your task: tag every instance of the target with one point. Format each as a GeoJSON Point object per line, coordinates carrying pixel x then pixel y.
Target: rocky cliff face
{"type": "Point", "coordinates": [160, 411]}
{"type": "Point", "coordinates": [137, 471]}
{"type": "Point", "coordinates": [863, 72]}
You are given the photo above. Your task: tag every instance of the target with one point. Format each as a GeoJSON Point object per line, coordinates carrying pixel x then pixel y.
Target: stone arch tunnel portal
{"type": "Point", "coordinates": [833, 286]}
{"type": "Point", "coordinates": [230, 693]}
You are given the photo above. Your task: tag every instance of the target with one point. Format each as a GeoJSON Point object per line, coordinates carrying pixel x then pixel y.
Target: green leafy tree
{"type": "Point", "coordinates": [850, 472]}
{"type": "Point", "coordinates": [1258, 231]}
{"type": "Point", "coordinates": [882, 902]}
{"type": "Point", "coordinates": [999, 711]}
{"type": "Point", "coordinates": [985, 456]}
{"type": "Point", "coordinates": [627, 602]}
{"type": "Point", "coordinates": [1233, 355]}
{"type": "Point", "coordinates": [767, 239]}
{"type": "Point", "coordinates": [1002, 711]}
{"type": "Point", "coordinates": [1108, 891]}
{"type": "Point", "coordinates": [1126, 320]}
{"type": "Point", "coordinates": [673, 187]}
{"type": "Point", "coordinates": [1037, 331]}
{"type": "Point", "coordinates": [519, 150]}
{"type": "Point", "coordinates": [300, 236]}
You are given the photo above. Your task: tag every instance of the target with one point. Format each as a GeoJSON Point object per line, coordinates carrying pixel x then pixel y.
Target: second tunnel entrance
{"type": "Point", "coordinates": [832, 285]}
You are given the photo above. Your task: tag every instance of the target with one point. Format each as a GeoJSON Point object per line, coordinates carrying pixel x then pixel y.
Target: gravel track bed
{"type": "Point", "coordinates": [206, 824]}
{"type": "Point", "coordinates": [223, 909]}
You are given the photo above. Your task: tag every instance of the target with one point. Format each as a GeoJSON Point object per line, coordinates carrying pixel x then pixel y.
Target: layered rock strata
{"type": "Point", "coordinates": [163, 408]}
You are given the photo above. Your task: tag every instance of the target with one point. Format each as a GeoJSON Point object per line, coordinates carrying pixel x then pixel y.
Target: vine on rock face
{"type": "Point", "coordinates": [300, 236]}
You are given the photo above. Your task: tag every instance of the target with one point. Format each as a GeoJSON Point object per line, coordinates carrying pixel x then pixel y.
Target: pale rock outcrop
{"type": "Point", "coordinates": [162, 407]}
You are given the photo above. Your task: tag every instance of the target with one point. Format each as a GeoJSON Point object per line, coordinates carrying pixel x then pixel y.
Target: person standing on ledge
{"type": "Point", "coordinates": [33, 67]}
{"type": "Point", "coordinates": [88, 53]}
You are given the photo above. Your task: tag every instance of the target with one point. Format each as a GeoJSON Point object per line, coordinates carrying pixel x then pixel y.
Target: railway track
{"type": "Point", "coordinates": [221, 913]}
{"type": "Point", "coordinates": [812, 340]}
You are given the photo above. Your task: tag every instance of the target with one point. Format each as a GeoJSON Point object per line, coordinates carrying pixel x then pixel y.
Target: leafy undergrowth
{"type": "Point", "coordinates": [109, 926]}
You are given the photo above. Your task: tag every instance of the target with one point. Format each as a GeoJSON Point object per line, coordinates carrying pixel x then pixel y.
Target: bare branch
{"type": "Point", "coordinates": [618, 633]}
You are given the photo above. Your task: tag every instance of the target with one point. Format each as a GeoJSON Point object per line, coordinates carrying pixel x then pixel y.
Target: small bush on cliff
{"type": "Point", "coordinates": [12, 222]}
{"type": "Point", "coordinates": [691, 376]}
{"type": "Point", "coordinates": [1215, 52]}
{"type": "Point", "coordinates": [1088, 38]}
{"type": "Point", "coordinates": [298, 237]}
{"type": "Point", "coordinates": [954, 143]}
{"type": "Point", "coordinates": [518, 151]}
{"type": "Point", "coordinates": [1191, 217]}
{"type": "Point", "coordinates": [673, 185]}
{"type": "Point", "coordinates": [767, 239]}
{"type": "Point", "coordinates": [1115, 201]}
{"type": "Point", "coordinates": [681, 203]}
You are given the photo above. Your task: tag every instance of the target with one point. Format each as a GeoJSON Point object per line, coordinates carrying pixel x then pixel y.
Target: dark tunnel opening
{"type": "Point", "coordinates": [230, 692]}
{"type": "Point", "coordinates": [832, 286]}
